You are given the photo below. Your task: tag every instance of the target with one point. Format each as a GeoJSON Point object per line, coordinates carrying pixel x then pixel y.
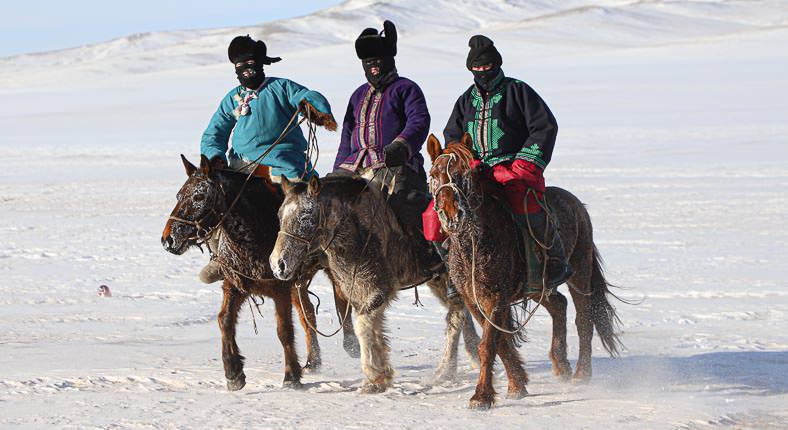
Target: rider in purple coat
{"type": "Point", "coordinates": [376, 119]}
{"type": "Point", "coordinates": [385, 126]}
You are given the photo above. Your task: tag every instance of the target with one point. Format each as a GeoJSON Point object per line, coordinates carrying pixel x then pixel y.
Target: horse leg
{"type": "Point", "coordinates": [374, 351]}
{"type": "Point", "coordinates": [556, 306]}
{"type": "Point", "coordinates": [484, 396]}
{"type": "Point", "coordinates": [286, 333]}
{"type": "Point", "coordinates": [455, 320]}
{"type": "Point", "coordinates": [306, 314]}
{"type": "Point", "coordinates": [228, 318]}
{"type": "Point", "coordinates": [456, 304]}
{"type": "Point", "coordinates": [344, 310]}
{"type": "Point", "coordinates": [518, 378]}
{"type": "Point", "coordinates": [349, 338]}
{"type": "Point", "coordinates": [471, 339]}
{"type": "Point", "coordinates": [585, 331]}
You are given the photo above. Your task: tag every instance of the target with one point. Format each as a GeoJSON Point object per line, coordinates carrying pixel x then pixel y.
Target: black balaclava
{"type": "Point", "coordinates": [483, 53]}
{"type": "Point", "coordinates": [380, 71]}
{"type": "Point", "coordinates": [376, 50]}
{"type": "Point", "coordinates": [250, 73]}
{"type": "Point", "coordinates": [253, 54]}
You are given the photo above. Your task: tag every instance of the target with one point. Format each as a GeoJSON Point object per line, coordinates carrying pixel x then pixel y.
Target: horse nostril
{"type": "Point", "coordinates": [167, 241]}
{"type": "Point", "coordinates": [282, 266]}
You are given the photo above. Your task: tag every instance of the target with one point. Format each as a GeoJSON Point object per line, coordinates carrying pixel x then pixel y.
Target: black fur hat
{"type": "Point", "coordinates": [243, 48]}
{"type": "Point", "coordinates": [371, 44]}
{"type": "Point", "coordinates": [482, 52]}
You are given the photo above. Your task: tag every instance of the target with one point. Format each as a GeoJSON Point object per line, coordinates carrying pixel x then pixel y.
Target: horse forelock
{"type": "Point", "coordinates": [462, 152]}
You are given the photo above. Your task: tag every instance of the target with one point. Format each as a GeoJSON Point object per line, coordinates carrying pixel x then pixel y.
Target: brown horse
{"type": "Point", "coordinates": [486, 266]}
{"type": "Point", "coordinates": [248, 230]}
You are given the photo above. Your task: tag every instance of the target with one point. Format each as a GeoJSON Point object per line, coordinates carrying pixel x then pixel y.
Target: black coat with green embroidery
{"type": "Point", "coordinates": [509, 122]}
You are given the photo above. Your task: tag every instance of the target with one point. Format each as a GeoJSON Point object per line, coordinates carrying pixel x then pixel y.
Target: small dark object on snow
{"type": "Point", "coordinates": [104, 291]}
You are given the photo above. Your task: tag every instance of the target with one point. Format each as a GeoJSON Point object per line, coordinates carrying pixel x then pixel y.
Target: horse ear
{"type": "Point", "coordinates": [285, 183]}
{"type": "Point", "coordinates": [190, 168]}
{"type": "Point", "coordinates": [433, 147]}
{"type": "Point", "coordinates": [205, 164]}
{"type": "Point", "coordinates": [467, 141]}
{"type": "Point", "coordinates": [314, 186]}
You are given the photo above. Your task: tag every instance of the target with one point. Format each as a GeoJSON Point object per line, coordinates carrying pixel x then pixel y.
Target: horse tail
{"type": "Point", "coordinates": [603, 314]}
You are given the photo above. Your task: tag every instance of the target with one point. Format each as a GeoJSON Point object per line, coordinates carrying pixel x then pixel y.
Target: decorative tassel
{"type": "Point", "coordinates": [243, 101]}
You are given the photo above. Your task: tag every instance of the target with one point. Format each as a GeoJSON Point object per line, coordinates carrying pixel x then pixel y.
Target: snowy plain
{"type": "Point", "coordinates": [673, 123]}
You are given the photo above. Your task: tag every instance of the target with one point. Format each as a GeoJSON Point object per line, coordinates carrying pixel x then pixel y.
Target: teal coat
{"type": "Point", "coordinates": [277, 100]}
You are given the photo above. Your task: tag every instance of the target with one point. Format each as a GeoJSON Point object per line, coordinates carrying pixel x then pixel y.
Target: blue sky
{"type": "Point", "coordinates": [44, 25]}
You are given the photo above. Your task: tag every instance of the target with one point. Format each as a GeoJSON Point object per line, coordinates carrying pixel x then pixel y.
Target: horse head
{"type": "Point", "coordinates": [299, 227]}
{"type": "Point", "coordinates": [451, 179]}
{"type": "Point", "coordinates": [198, 212]}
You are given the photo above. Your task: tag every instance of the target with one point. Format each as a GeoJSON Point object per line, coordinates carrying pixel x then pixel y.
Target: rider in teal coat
{"type": "Point", "coordinates": [257, 111]}
{"type": "Point", "coordinates": [255, 114]}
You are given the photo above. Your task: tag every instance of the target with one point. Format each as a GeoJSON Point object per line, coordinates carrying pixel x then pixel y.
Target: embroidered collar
{"type": "Point", "coordinates": [243, 98]}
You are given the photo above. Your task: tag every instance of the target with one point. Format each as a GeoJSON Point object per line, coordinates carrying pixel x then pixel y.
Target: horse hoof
{"type": "Point", "coordinates": [480, 405]}
{"type": "Point", "coordinates": [565, 376]}
{"type": "Point", "coordinates": [237, 383]}
{"type": "Point", "coordinates": [372, 388]}
{"type": "Point", "coordinates": [295, 385]}
{"type": "Point", "coordinates": [563, 372]}
{"type": "Point", "coordinates": [581, 379]}
{"type": "Point", "coordinates": [311, 370]}
{"type": "Point", "coordinates": [311, 367]}
{"type": "Point", "coordinates": [442, 377]}
{"type": "Point", "coordinates": [517, 395]}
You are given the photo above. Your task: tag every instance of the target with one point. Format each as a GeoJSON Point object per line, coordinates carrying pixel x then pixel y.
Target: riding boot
{"type": "Point", "coordinates": [429, 261]}
{"type": "Point", "coordinates": [442, 250]}
{"type": "Point", "coordinates": [212, 271]}
{"type": "Point", "coordinates": [558, 268]}
{"type": "Point", "coordinates": [434, 262]}
{"type": "Point", "coordinates": [408, 204]}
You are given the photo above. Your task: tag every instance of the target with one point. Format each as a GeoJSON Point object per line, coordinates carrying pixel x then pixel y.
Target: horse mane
{"type": "Point", "coordinates": [488, 186]}
{"type": "Point", "coordinates": [257, 182]}
{"type": "Point", "coordinates": [343, 187]}
{"type": "Point", "coordinates": [346, 188]}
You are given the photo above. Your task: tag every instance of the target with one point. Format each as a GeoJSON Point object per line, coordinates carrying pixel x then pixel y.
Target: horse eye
{"type": "Point", "coordinates": [199, 197]}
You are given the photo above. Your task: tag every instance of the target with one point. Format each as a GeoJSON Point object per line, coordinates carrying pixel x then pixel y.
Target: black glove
{"type": "Point", "coordinates": [396, 154]}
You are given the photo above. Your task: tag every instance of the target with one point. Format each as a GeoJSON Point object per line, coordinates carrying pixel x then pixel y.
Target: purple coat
{"type": "Point", "coordinates": [374, 119]}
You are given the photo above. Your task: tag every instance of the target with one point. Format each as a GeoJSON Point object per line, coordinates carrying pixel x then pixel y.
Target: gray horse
{"type": "Point", "coordinates": [369, 257]}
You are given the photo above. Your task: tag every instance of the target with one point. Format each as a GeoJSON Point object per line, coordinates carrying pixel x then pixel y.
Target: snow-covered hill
{"type": "Point", "coordinates": [594, 22]}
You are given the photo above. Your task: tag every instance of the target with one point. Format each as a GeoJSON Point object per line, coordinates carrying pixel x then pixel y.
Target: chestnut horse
{"type": "Point", "coordinates": [486, 266]}
{"type": "Point", "coordinates": [248, 229]}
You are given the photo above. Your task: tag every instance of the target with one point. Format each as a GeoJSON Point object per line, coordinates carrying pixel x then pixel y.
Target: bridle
{"type": "Point", "coordinates": [307, 242]}
{"type": "Point", "coordinates": [459, 194]}
{"type": "Point", "coordinates": [202, 232]}
{"type": "Point", "coordinates": [320, 218]}
{"type": "Point", "coordinates": [315, 235]}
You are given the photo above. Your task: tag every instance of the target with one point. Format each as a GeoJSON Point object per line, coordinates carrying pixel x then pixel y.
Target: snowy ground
{"type": "Point", "coordinates": [674, 137]}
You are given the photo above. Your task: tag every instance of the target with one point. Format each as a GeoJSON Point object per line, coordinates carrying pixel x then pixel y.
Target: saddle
{"type": "Point", "coordinates": [533, 255]}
